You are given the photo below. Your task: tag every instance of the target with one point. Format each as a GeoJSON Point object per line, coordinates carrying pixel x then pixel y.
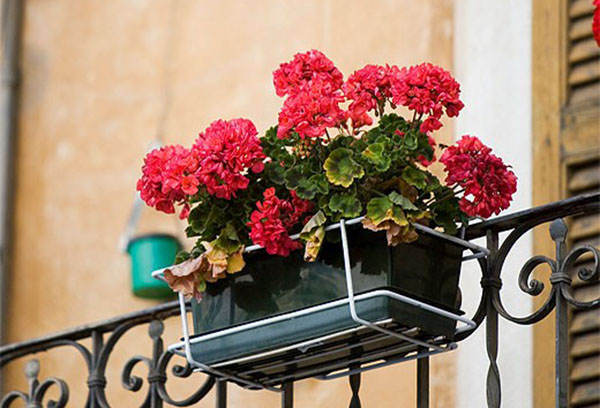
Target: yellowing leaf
{"type": "Point", "coordinates": [313, 234]}
{"type": "Point", "coordinates": [235, 262]}
{"type": "Point", "coordinates": [341, 169]}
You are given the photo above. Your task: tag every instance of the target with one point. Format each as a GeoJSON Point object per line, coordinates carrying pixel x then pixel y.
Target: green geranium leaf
{"type": "Point", "coordinates": [292, 178]}
{"type": "Point", "coordinates": [433, 184]}
{"type": "Point", "coordinates": [323, 204]}
{"type": "Point", "coordinates": [446, 212]}
{"type": "Point", "coordinates": [377, 209]}
{"type": "Point", "coordinates": [228, 240]}
{"type": "Point", "coordinates": [271, 133]}
{"type": "Point", "coordinates": [415, 177]}
{"type": "Point", "coordinates": [382, 209]}
{"type": "Point", "coordinates": [345, 204]}
{"type": "Point", "coordinates": [307, 189]}
{"type": "Point", "coordinates": [181, 256]}
{"type": "Point", "coordinates": [411, 141]}
{"type": "Point", "coordinates": [320, 183]}
{"type": "Point", "coordinates": [341, 169]}
{"type": "Point", "coordinates": [402, 201]}
{"type": "Point", "coordinates": [275, 172]}
{"type": "Point", "coordinates": [375, 154]}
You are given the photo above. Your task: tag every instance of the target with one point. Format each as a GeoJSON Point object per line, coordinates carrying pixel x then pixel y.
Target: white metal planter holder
{"type": "Point", "coordinates": [424, 348]}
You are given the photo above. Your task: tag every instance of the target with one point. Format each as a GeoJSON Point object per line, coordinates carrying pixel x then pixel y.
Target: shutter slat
{"type": "Point", "coordinates": [586, 345]}
{"type": "Point", "coordinates": [584, 73]}
{"type": "Point", "coordinates": [584, 94]}
{"type": "Point", "coordinates": [586, 369]}
{"type": "Point", "coordinates": [583, 50]}
{"type": "Point", "coordinates": [585, 321]}
{"type": "Point", "coordinates": [581, 8]}
{"type": "Point", "coordinates": [585, 178]}
{"type": "Point", "coordinates": [585, 394]}
{"type": "Point", "coordinates": [583, 227]}
{"type": "Point", "coordinates": [581, 28]}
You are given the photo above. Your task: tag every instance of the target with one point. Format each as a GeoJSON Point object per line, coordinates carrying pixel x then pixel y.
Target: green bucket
{"type": "Point", "coordinates": [149, 253]}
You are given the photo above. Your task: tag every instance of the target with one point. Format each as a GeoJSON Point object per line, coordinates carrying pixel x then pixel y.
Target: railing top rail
{"type": "Point", "coordinates": [84, 331]}
{"type": "Point", "coordinates": [581, 204]}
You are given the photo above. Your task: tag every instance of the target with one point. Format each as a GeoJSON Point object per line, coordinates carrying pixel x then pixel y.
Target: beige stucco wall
{"type": "Point", "coordinates": [91, 101]}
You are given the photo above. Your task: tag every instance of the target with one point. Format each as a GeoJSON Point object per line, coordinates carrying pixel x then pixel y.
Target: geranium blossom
{"type": "Point", "coordinates": [292, 76]}
{"type": "Point", "coordinates": [311, 111]}
{"type": "Point", "coordinates": [270, 223]}
{"type": "Point", "coordinates": [168, 177]}
{"type": "Point", "coordinates": [226, 151]}
{"type": "Point", "coordinates": [313, 88]}
{"type": "Point", "coordinates": [366, 88]}
{"type": "Point", "coordinates": [488, 183]}
{"type": "Point", "coordinates": [428, 90]}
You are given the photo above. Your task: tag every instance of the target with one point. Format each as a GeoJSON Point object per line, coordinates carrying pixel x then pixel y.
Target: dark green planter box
{"type": "Point", "coordinates": [426, 270]}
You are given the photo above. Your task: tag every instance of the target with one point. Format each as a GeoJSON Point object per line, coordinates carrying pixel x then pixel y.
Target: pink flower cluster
{"type": "Point", "coordinates": [168, 177]}
{"type": "Point", "coordinates": [217, 161]}
{"type": "Point", "coordinates": [293, 76]}
{"type": "Point", "coordinates": [226, 151]}
{"type": "Point", "coordinates": [488, 183]}
{"type": "Point", "coordinates": [311, 111]}
{"type": "Point", "coordinates": [313, 88]}
{"type": "Point", "coordinates": [367, 88]}
{"type": "Point", "coordinates": [271, 222]}
{"type": "Point", "coordinates": [428, 90]}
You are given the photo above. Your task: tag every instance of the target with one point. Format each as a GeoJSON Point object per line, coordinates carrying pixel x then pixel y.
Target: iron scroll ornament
{"type": "Point", "coordinates": [560, 296]}
{"type": "Point", "coordinates": [561, 276]}
{"type": "Point", "coordinates": [96, 363]}
{"type": "Point", "coordinates": [37, 390]}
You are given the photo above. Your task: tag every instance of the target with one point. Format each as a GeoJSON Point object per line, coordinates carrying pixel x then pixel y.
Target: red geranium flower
{"type": "Point", "coordinates": [311, 111]}
{"type": "Point", "coordinates": [271, 222]}
{"type": "Point", "coordinates": [293, 76]}
{"type": "Point", "coordinates": [168, 178]}
{"type": "Point", "coordinates": [488, 183]}
{"type": "Point", "coordinates": [226, 151]}
{"type": "Point", "coordinates": [366, 88]}
{"type": "Point", "coordinates": [313, 86]}
{"type": "Point", "coordinates": [428, 90]}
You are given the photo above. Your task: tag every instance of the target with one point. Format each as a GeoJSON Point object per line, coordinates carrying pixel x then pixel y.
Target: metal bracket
{"type": "Point", "coordinates": [427, 348]}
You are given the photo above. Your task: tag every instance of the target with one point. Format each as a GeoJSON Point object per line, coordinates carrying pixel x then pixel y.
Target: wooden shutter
{"type": "Point", "coordinates": [580, 162]}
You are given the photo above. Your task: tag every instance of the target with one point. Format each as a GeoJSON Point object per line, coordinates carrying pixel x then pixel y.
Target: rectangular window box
{"type": "Point", "coordinates": [283, 319]}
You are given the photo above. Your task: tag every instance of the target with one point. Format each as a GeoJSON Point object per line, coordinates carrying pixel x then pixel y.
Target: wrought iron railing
{"type": "Point", "coordinates": [105, 335]}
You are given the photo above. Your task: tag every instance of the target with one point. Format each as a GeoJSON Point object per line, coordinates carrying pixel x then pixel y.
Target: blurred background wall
{"type": "Point", "coordinates": [100, 80]}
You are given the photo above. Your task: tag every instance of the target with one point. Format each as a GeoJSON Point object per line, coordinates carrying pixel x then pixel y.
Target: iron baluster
{"type": "Point", "coordinates": [355, 387]}
{"type": "Point", "coordinates": [423, 382]}
{"type": "Point", "coordinates": [491, 283]}
{"type": "Point", "coordinates": [221, 394]}
{"type": "Point", "coordinates": [287, 397]}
